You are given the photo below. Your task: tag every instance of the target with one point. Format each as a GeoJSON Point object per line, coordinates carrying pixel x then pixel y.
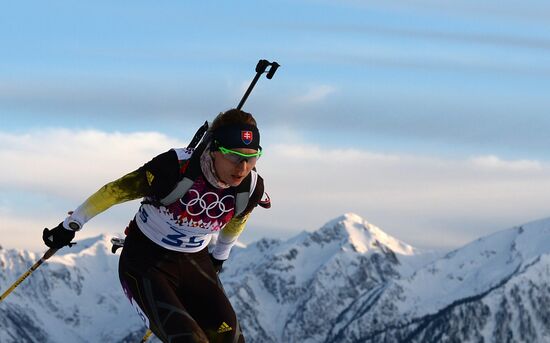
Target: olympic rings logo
{"type": "Point", "coordinates": [209, 202]}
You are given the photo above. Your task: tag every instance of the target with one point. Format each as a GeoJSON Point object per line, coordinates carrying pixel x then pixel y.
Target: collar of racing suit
{"type": "Point", "coordinates": [207, 167]}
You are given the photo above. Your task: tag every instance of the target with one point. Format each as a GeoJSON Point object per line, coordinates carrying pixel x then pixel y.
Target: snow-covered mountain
{"type": "Point", "coordinates": [496, 289]}
{"type": "Point", "coordinates": [74, 297]}
{"type": "Point", "coordinates": [296, 291]}
{"type": "Point", "coordinates": [346, 282]}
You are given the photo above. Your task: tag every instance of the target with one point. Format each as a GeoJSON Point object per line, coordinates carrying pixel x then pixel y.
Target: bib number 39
{"type": "Point", "coordinates": [175, 240]}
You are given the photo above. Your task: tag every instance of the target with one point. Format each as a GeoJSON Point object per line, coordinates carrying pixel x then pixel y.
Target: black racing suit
{"type": "Point", "coordinates": [165, 268]}
{"type": "Point", "coordinates": [179, 293]}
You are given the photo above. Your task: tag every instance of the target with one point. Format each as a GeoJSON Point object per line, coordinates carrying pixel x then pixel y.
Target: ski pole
{"type": "Point", "coordinates": [46, 256]}
{"type": "Point", "coordinates": [147, 335]}
{"type": "Point", "coordinates": [260, 69]}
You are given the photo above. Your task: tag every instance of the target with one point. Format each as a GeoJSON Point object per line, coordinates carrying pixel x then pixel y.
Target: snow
{"type": "Point", "coordinates": [342, 278]}
{"type": "Point", "coordinates": [473, 269]}
{"type": "Point", "coordinates": [84, 296]}
{"type": "Point", "coordinates": [364, 236]}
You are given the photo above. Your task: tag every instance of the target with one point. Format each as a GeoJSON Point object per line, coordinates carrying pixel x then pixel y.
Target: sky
{"type": "Point", "coordinates": [429, 119]}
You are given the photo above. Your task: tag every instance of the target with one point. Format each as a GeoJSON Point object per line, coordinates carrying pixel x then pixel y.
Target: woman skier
{"type": "Point", "coordinates": [188, 195]}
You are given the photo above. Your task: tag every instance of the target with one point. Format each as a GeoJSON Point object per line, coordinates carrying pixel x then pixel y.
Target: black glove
{"type": "Point", "coordinates": [217, 264]}
{"type": "Point", "coordinates": [58, 237]}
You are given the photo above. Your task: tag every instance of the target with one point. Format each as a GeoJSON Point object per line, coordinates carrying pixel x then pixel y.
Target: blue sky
{"type": "Point", "coordinates": [429, 119]}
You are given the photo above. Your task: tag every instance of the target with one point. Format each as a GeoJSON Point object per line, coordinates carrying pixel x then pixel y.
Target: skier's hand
{"type": "Point", "coordinates": [217, 264]}
{"type": "Point", "coordinates": [58, 237]}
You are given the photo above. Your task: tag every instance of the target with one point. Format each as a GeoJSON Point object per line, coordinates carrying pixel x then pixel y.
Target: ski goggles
{"type": "Point", "coordinates": [237, 157]}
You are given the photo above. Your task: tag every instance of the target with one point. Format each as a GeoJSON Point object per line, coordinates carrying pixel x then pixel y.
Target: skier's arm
{"type": "Point", "coordinates": [228, 237]}
{"type": "Point", "coordinates": [129, 187]}
{"type": "Point", "coordinates": [156, 178]}
{"type": "Point", "coordinates": [231, 232]}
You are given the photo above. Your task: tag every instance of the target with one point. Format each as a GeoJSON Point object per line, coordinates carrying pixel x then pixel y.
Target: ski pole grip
{"type": "Point", "coordinates": [262, 66]}
{"type": "Point", "coordinates": [49, 253]}
{"type": "Point", "coordinates": [272, 70]}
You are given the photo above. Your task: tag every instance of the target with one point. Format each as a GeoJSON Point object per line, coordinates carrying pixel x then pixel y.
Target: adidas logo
{"type": "Point", "coordinates": [224, 328]}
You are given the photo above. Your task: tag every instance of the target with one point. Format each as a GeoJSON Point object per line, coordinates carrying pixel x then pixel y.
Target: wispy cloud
{"type": "Point", "coordinates": [423, 200]}
{"type": "Point", "coordinates": [495, 163]}
{"type": "Point", "coordinates": [426, 201]}
{"type": "Point", "coordinates": [315, 94]}
{"type": "Point", "coordinates": [491, 10]}
{"type": "Point", "coordinates": [68, 163]}
{"type": "Point", "coordinates": [123, 97]}
{"type": "Point", "coordinates": [416, 33]}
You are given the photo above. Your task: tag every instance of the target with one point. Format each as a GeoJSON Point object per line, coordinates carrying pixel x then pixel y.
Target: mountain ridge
{"type": "Point", "coordinates": [348, 281]}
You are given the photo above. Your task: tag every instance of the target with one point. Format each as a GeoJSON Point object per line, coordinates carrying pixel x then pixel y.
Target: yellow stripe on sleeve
{"type": "Point", "coordinates": [129, 187]}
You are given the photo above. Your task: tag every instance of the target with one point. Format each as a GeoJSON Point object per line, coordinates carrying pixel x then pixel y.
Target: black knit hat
{"type": "Point", "coordinates": [236, 136]}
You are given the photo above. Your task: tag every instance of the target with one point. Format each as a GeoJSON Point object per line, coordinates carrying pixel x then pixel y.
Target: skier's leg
{"type": "Point", "coordinates": [203, 296]}
{"type": "Point", "coordinates": [156, 303]}
{"type": "Point", "coordinates": [149, 278]}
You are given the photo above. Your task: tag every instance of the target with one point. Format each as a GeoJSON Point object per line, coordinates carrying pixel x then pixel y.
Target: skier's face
{"type": "Point", "coordinates": [231, 172]}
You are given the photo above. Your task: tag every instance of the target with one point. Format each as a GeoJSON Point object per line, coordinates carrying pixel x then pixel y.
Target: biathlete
{"type": "Point", "coordinates": [165, 268]}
